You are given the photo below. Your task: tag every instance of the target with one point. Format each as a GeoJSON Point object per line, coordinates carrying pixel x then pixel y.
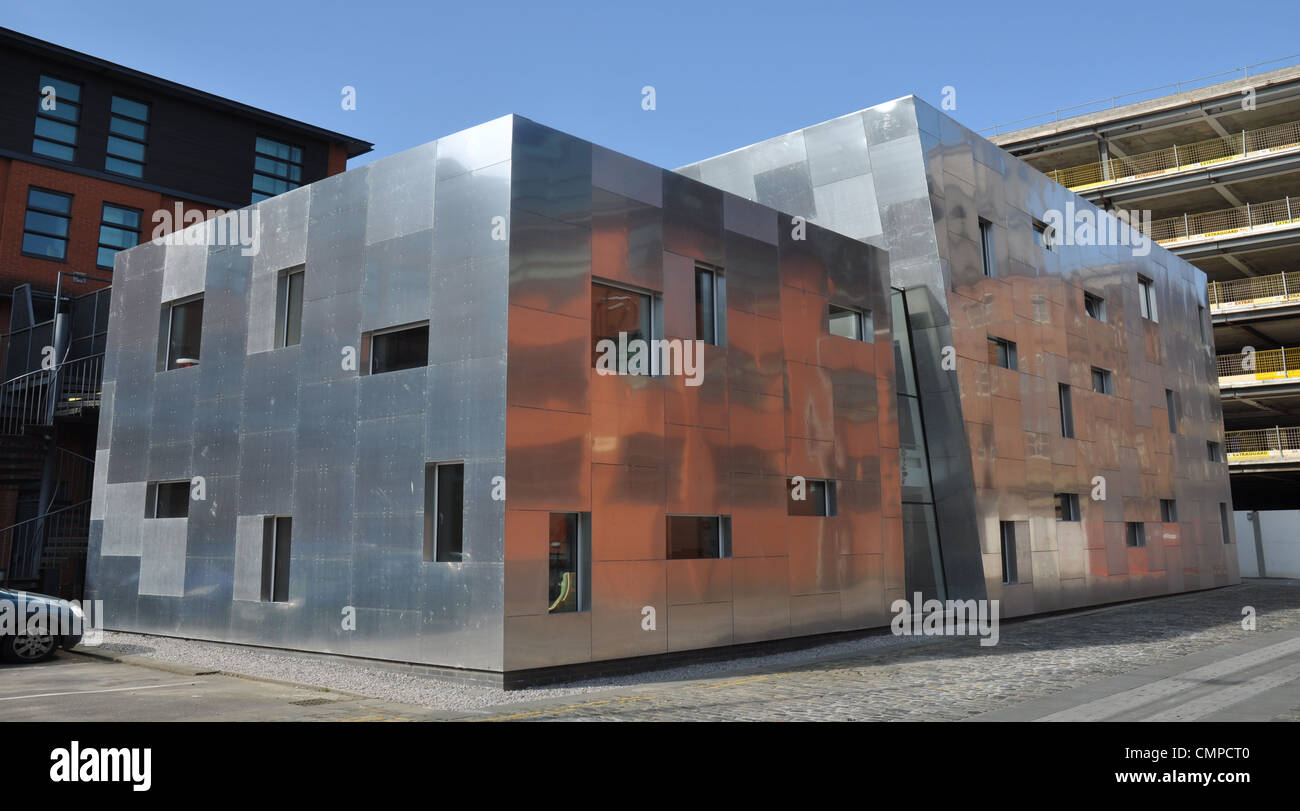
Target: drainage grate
{"type": "Point", "coordinates": [313, 702]}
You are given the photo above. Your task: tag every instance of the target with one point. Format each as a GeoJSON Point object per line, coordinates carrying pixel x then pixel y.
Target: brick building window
{"type": "Point", "coordinates": [119, 229]}
{"type": "Point", "coordinates": [277, 168]}
{"type": "Point", "coordinates": [58, 114]}
{"type": "Point", "coordinates": [45, 229]}
{"type": "Point", "coordinates": [128, 128]}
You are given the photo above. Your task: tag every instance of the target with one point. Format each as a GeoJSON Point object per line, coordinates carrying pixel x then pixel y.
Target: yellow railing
{"type": "Point", "coordinates": [1279, 288]}
{"type": "Point", "coordinates": [1269, 364]}
{"type": "Point", "coordinates": [1225, 220]}
{"type": "Point", "coordinates": [1262, 443]}
{"type": "Point", "coordinates": [1180, 157]}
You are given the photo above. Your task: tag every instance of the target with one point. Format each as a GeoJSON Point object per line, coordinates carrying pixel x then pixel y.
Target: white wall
{"type": "Point", "coordinates": [1280, 536]}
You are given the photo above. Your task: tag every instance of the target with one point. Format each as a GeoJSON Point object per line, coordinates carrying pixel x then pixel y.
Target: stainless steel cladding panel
{"type": "Point", "coordinates": [258, 430]}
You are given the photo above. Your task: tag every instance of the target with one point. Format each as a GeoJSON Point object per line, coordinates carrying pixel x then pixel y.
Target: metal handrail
{"type": "Point", "coordinates": [1267, 364]}
{"type": "Point", "coordinates": [1225, 220]}
{"type": "Point", "coordinates": [26, 539]}
{"type": "Point", "coordinates": [25, 399]}
{"type": "Point", "coordinates": [1178, 88]}
{"type": "Point", "coordinates": [1180, 157]}
{"type": "Point", "coordinates": [46, 515]}
{"type": "Point", "coordinates": [23, 405]}
{"type": "Point", "coordinates": [1278, 288]}
{"type": "Point", "coordinates": [1255, 443]}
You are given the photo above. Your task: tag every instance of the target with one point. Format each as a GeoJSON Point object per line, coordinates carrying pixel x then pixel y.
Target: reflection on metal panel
{"type": "Point", "coordinates": [995, 447]}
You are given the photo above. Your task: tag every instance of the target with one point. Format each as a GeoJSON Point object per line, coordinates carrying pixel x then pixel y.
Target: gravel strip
{"type": "Point", "coordinates": [432, 692]}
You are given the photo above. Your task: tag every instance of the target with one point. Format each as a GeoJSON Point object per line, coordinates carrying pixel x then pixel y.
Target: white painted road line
{"type": "Point", "coordinates": [1138, 697]}
{"type": "Point", "coordinates": [1228, 696]}
{"type": "Point", "coordinates": [110, 690]}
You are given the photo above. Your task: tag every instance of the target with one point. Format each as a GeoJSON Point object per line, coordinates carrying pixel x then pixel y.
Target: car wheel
{"type": "Point", "coordinates": [27, 648]}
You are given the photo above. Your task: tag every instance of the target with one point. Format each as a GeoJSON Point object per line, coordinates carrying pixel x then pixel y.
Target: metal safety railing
{"type": "Point", "coordinates": [1114, 102]}
{"type": "Point", "coordinates": [1225, 221]}
{"type": "Point", "coordinates": [32, 399]}
{"type": "Point", "coordinates": [1262, 444]}
{"type": "Point", "coordinates": [1181, 157]}
{"type": "Point", "coordinates": [27, 540]}
{"type": "Point", "coordinates": [1268, 364]}
{"type": "Point", "coordinates": [81, 383]}
{"type": "Point", "coordinates": [65, 519]}
{"type": "Point", "coordinates": [25, 401]}
{"type": "Point", "coordinates": [1255, 291]}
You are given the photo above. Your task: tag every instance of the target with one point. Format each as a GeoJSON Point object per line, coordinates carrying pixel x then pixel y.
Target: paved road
{"type": "Point", "coordinates": [1178, 658]}
{"type": "Point", "coordinates": [75, 687]}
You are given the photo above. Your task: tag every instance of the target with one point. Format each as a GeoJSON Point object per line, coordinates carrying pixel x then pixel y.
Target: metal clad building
{"type": "Point", "coordinates": [958, 217]}
{"type": "Point", "coordinates": [1215, 165]}
{"type": "Point", "coordinates": [407, 451]}
{"type": "Point", "coordinates": [463, 278]}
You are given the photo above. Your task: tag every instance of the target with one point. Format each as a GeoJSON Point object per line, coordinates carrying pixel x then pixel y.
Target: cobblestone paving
{"type": "Point", "coordinates": [955, 678]}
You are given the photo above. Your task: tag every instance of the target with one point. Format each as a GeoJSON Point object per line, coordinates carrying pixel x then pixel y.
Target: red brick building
{"type": "Point", "coordinates": [94, 158]}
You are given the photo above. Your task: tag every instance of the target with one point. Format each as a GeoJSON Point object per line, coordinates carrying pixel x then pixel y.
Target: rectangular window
{"type": "Point", "coordinates": [1102, 382]}
{"type": "Point", "coordinates": [1147, 298]}
{"type": "Point", "coordinates": [1044, 236]}
{"type": "Point", "coordinates": [615, 312]}
{"type": "Point", "coordinates": [1094, 306]}
{"type": "Point", "coordinates": [119, 229]}
{"type": "Point", "coordinates": [1137, 533]}
{"type": "Point", "coordinates": [128, 126]}
{"type": "Point", "coordinates": [288, 307]}
{"type": "Point", "coordinates": [168, 500]}
{"type": "Point", "coordinates": [1007, 530]}
{"type": "Point", "coordinates": [570, 563]}
{"type": "Point", "coordinates": [183, 331]}
{"type": "Point", "coordinates": [277, 168]}
{"type": "Point", "coordinates": [1067, 507]}
{"type": "Point", "coordinates": [810, 496]}
{"type": "Point", "coordinates": [58, 114]}
{"type": "Point", "coordinates": [699, 536]}
{"type": "Point", "coordinates": [45, 229]}
{"type": "Point", "coordinates": [1200, 322]}
{"type": "Point", "coordinates": [1168, 511]}
{"type": "Point", "coordinates": [1171, 406]}
{"type": "Point", "coordinates": [852, 324]}
{"type": "Point", "coordinates": [399, 348]}
{"type": "Point", "coordinates": [1212, 449]}
{"type": "Point", "coordinates": [277, 532]}
{"type": "Point", "coordinates": [1002, 353]}
{"type": "Point", "coordinates": [709, 303]}
{"type": "Point", "coordinates": [1067, 412]}
{"type": "Point", "coordinates": [1223, 522]}
{"type": "Point", "coordinates": [986, 249]}
{"type": "Point", "coordinates": [444, 512]}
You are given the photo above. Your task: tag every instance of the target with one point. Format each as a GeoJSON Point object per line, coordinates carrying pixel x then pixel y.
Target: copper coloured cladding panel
{"type": "Point", "coordinates": [776, 393]}
{"type": "Point", "coordinates": [928, 182]}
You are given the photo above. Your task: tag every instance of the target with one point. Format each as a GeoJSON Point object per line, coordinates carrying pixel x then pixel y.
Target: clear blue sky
{"type": "Point", "coordinates": [726, 74]}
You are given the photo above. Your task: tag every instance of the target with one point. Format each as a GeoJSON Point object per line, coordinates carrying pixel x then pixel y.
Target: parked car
{"type": "Point", "coordinates": [21, 612]}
